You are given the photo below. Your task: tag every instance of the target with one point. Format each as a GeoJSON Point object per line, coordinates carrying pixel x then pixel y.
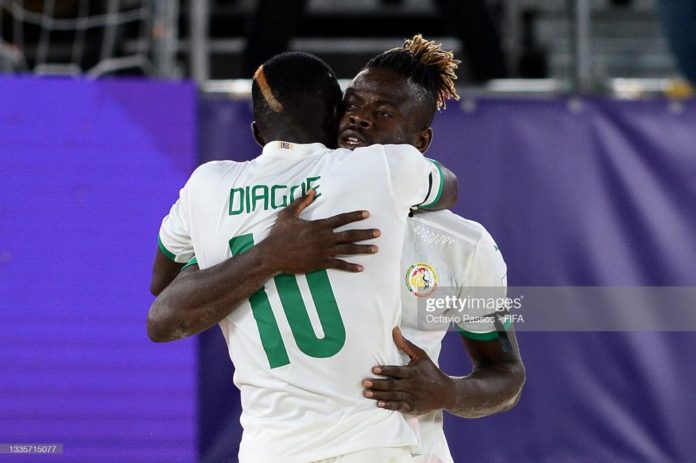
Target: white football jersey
{"type": "Point", "coordinates": [302, 345]}
{"type": "Point", "coordinates": [443, 255]}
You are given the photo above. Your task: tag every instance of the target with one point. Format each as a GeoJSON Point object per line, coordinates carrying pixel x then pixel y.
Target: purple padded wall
{"type": "Point", "coordinates": [88, 171]}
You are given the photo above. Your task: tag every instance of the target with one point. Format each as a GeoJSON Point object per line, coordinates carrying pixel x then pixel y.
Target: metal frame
{"type": "Point", "coordinates": [583, 77]}
{"type": "Point", "coordinates": [165, 37]}
{"type": "Point", "coordinates": [199, 48]}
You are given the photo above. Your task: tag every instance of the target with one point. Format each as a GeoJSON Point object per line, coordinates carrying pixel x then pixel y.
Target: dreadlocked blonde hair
{"type": "Point", "coordinates": [432, 56]}
{"type": "Point", "coordinates": [425, 63]}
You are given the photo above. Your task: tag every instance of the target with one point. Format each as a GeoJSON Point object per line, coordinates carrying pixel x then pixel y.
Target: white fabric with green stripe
{"type": "Point", "coordinates": [435, 193]}
{"type": "Point", "coordinates": [486, 335]}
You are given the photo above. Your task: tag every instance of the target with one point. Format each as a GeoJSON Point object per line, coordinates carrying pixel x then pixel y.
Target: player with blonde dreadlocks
{"type": "Point", "coordinates": [394, 100]}
{"type": "Point", "coordinates": [417, 79]}
{"type": "Point", "coordinates": [427, 64]}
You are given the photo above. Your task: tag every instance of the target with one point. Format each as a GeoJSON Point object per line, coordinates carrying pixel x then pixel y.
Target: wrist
{"type": "Point", "coordinates": [265, 260]}
{"type": "Point", "coordinates": [451, 397]}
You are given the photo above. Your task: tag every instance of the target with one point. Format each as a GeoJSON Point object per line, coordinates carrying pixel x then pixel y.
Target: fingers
{"type": "Point", "coordinates": [352, 249]}
{"type": "Point", "coordinates": [381, 384]}
{"type": "Point", "coordinates": [387, 396]}
{"type": "Point", "coordinates": [356, 235]}
{"type": "Point", "coordinates": [403, 407]}
{"type": "Point", "coordinates": [406, 346]}
{"type": "Point", "coordinates": [339, 264]}
{"type": "Point", "coordinates": [393, 371]}
{"type": "Point", "coordinates": [300, 204]}
{"type": "Point", "coordinates": [345, 218]}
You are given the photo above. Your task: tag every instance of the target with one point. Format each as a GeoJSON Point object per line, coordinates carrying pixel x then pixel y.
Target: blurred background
{"type": "Point", "coordinates": [564, 45]}
{"type": "Point", "coordinates": [574, 144]}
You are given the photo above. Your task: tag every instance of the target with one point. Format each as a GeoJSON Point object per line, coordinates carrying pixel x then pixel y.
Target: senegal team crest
{"type": "Point", "coordinates": [421, 279]}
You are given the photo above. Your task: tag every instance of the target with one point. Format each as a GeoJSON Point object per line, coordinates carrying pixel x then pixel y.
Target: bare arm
{"type": "Point", "coordinates": [494, 386]}
{"type": "Point", "coordinates": [164, 270]}
{"type": "Point", "coordinates": [197, 300]}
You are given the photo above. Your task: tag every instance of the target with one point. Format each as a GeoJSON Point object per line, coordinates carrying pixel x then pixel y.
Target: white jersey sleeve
{"type": "Point", "coordinates": [486, 279]}
{"type": "Point", "coordinates": [487, 265]}
{"type": "Point", "coordinates": [437, 182]}
{"type": "Point", "coordinates": [174, 239]}
{"type": "Point", "coordinates": [416, 180]}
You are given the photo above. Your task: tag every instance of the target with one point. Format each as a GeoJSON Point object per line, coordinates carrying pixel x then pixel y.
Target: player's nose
{"type": "Point", "coordinates": [360, 121]}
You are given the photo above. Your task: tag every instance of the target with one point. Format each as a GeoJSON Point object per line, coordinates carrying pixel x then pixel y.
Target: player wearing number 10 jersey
{"type": "Point", "coordinates": [302, 344]}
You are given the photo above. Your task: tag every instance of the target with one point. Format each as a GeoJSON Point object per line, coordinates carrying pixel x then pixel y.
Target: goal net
{"type": "Point", "coordinates": [91, 37]}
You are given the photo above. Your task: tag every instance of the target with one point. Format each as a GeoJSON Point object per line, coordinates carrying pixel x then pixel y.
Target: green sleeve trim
{"type": "Point", "coordinates": [191, 262]}
{"type": "Point", "coordinates": [164, 250]}
{"type": "Point", "coordinates": [434, 202]}
{"type": "Point", "coordinates": [489, 336]}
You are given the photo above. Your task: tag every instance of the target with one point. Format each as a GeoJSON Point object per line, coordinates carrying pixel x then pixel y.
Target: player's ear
{"type": "Point", "coordinates": [423, 140]}
{"type": "Point", "coordinates": [257, 134]}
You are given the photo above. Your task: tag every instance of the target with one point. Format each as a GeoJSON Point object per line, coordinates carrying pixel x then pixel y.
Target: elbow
{"type": "Point", "coordinates": [511, 389]}
{"type": "Point", "coordinates": [163, 326]}
{"type": "Point", "coordinates": [156, 330]}
{"type": "Point", "coordinates": [518, 377]}
{"type": "Point", "coordinates": [154, 334]}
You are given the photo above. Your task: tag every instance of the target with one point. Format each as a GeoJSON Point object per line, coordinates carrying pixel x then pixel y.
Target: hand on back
{"type": "Point", "coordinates": [296, 245]}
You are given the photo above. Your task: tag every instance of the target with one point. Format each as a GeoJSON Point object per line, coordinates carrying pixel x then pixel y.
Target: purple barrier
{"type": "Point", "coordinates": [584, 193]}
{"type": "Point", "coordinates": [89, 169]}
{"type": "Point", "coordinates": [580, 192]}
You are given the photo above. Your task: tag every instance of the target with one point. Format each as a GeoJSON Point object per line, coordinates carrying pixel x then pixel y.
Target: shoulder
{"type": "Point", "coordinates": [450, 225]}
{"type": "Point", "coordinates": [213, 170]}
{"type": "Point", "coordinates": [385, 150]}
{"type": "Point", "coordinates": [401, 150]}
{"type": "Point", "coordinates": [338, 154]}
{"type": "Point", "coordinates": [218, 167]}
{"type": "Point", "coordinates": [482, 259]}
{"type": "Point", "coordinates": [403, 161]}
{"type": "Point", "coordinates": [363, 159]}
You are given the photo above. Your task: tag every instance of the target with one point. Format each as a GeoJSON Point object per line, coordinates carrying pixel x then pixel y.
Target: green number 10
{"type": "Point", "coordinates": [296, 312]}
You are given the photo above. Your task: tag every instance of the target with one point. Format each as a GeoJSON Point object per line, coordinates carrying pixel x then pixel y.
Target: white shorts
{"type": "Point", "coordinates": [376, 455]}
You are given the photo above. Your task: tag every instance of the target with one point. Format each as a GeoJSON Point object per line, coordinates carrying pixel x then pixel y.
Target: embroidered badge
{"type": "Point", "coordinates": [421, 279]}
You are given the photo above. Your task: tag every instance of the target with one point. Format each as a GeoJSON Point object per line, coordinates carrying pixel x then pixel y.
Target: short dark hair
{"type": "Point", "coordinates": [295, 97]}
{"type": "Point", "coordinates": [426, 64]}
